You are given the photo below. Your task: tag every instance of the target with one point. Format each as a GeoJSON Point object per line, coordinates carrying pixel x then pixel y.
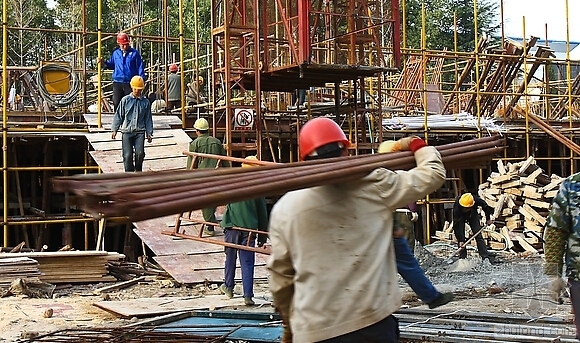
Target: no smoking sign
{"type": "Point", "coordinates": [243, 119]}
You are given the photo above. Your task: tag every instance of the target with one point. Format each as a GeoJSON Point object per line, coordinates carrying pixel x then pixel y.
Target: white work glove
{"type": "Point", "coordinates": [414, 217]}
{"type": "Point", "coordinates": [556, 287]}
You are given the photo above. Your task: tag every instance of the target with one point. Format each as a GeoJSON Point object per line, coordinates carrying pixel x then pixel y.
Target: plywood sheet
{"type": "Point", "coordinates": [165, 152]}
{"type": "Point", "coordinates": [147, 307]}
{"type": "Point", "coordinates": [159, 121]}
{"type": "Point", "coordinates": [189, 269]}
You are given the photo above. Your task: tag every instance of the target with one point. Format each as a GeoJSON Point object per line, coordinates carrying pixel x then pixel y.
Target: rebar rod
{"type": "Point", "coordinates": [161, 194]}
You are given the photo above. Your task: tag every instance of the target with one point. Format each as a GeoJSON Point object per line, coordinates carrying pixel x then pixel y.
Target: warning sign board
{"type": "Point", "coordinates": [243, 119]}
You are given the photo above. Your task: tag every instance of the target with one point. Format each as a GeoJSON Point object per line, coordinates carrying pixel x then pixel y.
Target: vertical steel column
{"type": "Point", "coordinates": [304, 48]}
{"type": "Point", "coordinates": [397, 32]}
{"type": "Point", "coordinates": [5, 116]}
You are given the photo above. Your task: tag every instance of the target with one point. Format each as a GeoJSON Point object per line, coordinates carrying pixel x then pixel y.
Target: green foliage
{"type": "Point", "coordinates": [439, 23]}
{"type": "Point", "coordinates": [26, 48]}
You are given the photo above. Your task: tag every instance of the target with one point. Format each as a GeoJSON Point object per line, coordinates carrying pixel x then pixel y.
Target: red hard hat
{"type": "Point", "coordinates": [173, 67]}
{"type": "Point", "coordinates": [122, 38]}
{"type": "Point", "coordinates": [319, 132]}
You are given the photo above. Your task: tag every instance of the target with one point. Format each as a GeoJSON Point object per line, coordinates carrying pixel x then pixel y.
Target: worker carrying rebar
{"type": "Point", "coordinates": [465, 211]}
{"type": "Point", "coordinates": [126, 62]}
{"type": "Point", "coordinates": [133, 118]}
{"type": "Point", "coordinates": [333, 269]}
{"type": "Point", "coordinates": [562, 243]}
{"type": "Point", "coordinates": [206, 144]}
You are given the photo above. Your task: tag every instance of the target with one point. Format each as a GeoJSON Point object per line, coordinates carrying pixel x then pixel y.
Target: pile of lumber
{"type": "Point", "coordinates": [18, 268]}
{"type": "Point", "coordinates": [521, 194]}
{"type": "Point", "coordinates": [68, 266]}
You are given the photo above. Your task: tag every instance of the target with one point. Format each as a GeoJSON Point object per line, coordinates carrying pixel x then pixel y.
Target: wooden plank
{"type": "Point", "coordinates": [527, 246]}
{"type": "Point", "coordinates": [531, 192]}
{"type": "Point", "coordinates": [511, 184]}
{"type": "Point", "coordinates": [529, 161]}
{"type": "Point", "coordinates": [148, 307]}
{"type": "Point", "coordinates": [537, 203]}
{"type": "Point", "coordinates": [501, 168]}
{"type": "Point", "coordinates": [160, 122]}
{"type": "Point", "coordinates": [502, 178]}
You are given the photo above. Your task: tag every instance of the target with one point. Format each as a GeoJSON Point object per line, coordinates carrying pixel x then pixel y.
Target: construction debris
{"type": "Point", "coordinates": [521, 194]}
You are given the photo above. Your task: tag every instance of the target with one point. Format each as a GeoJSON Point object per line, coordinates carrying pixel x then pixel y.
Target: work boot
{"type": "Point", "coordinates": [227, 291]}
{"type": "Point", "coordinates": [248, 301]}
{"type": "Point", "coordinates": [208, 230]}
{"type": "Point", "coordinates": [441, 300]}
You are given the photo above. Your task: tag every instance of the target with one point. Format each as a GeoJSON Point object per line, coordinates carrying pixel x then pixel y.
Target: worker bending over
{"type": "Point", "coordinates": [465, 211]}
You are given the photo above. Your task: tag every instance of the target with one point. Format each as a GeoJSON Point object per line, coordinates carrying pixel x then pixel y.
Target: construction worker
{"type": "Point", "coordinates": [407, 265]}
{"type": "Point", "coordinates": [173, 88]}
{"type": "Point", "coordinates": [204, 143]}
{"type": "Point", "coordinates": [133, 118]}
{"type": "Point", "coordinates": [465, 210]}
{"type": "Point", "coordinates": [194, 94]}
{"type": "Point", "coordinates": [249, 214]}
{"type": "Point", "coordinates": [562, 243]}
{"type": "Point", "coordinates": [405, 217]}
{"type": "Point", "coordinates": [18, 105]}
{"type": "Point", "coordinates": [126, 62]}
{"type": "Point", "coordinates": [332, 265]}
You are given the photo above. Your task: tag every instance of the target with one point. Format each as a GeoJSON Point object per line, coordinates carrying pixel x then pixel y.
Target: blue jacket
{"type": "Point", "coordinates": [126, 66]}
{"type": "Point", "coordinates": [132, 115]}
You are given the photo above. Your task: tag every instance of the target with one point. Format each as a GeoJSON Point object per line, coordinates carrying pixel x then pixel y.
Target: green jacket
{"type": "Point", "coordinates": [207, 144]}
{"type": "Point", "coordinates": [249, 214]}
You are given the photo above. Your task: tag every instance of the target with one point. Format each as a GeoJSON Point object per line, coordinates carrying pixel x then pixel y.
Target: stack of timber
{"type": "Point", "coordinates": [521, 194]}
{"type": "Point", "coordinates": [18, 268]}
{"type": "Point", "coordinates": [68, 266]}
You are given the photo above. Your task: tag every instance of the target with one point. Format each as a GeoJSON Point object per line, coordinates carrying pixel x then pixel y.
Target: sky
{"type": "Point", "coordinates": [537, 14]}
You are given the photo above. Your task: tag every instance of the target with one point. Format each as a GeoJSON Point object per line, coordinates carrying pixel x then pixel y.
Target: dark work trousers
{"type": "Point", "coordinates": [411, 271]}
{"type": "Point", "coordinates": [119, 91]}
{"type": "Point", "coordinates": [133, 145]}
{"type": "Point", "coordinates": [575, 298]}
{"type": "Point", "coordinates": [173, 104]}
{"type": "Point", "coordinates": [247, 259]}
{"type": "Point", "coordinates": [459, 230]}
{"type": "Point", "coordinates": [385, 331]}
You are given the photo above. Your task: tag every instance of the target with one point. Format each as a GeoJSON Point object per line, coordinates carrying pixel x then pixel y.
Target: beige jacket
{"type": "Point", "coordinates": [332, 265]}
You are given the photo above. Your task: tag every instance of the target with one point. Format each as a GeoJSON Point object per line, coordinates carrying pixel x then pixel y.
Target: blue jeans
{"type": "Point", "coordinates": [412, 273]}
{"type": "Point", "coordinates": [247, 260]}
{"type": "Point", "coordinates": [133, 145]}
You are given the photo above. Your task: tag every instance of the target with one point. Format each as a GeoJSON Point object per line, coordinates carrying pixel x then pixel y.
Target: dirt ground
{"type": "Point", "coordinates": [514, 285]}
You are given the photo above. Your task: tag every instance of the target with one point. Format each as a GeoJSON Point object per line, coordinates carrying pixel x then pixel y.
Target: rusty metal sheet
{"type": "Point", "coordinates": [188, 269]}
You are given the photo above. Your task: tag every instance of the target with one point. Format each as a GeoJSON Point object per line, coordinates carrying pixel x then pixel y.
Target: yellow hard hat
{"type": "Point", "coordinates": [466, 200]}
{"type": "Point", "coordinates": [137, 82]}
{"type": "Point", "coordinates": [389, 146]}
{"type": "Point", "coordinates": [200, 80]}
{"type": "Point", "coordinates": [201, 124]}
{"type": "Point", "coordinates": [250, 158]}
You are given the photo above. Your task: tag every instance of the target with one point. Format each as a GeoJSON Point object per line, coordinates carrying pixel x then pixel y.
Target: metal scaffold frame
{"type": "Point", "coordinates": [345, 59]}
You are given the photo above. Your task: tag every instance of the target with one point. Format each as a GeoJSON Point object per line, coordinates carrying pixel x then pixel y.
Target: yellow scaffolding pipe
{"type": "Point", "coordinates": [5, 115]}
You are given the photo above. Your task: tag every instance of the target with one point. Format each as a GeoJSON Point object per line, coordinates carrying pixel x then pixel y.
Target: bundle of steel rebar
{"type": "Point", "coordinates": [141, 196]}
